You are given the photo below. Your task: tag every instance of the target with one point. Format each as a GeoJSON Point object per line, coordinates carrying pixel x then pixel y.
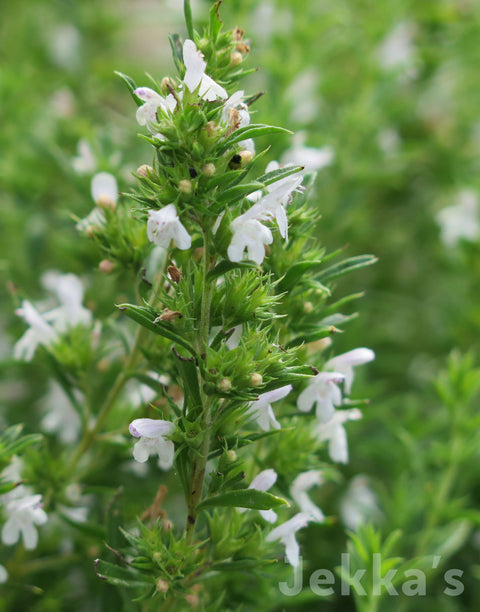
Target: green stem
{"type": "Point", "coordinates": [197, 477]}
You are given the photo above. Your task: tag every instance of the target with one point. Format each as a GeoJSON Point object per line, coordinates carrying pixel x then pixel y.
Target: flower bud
{"type": "Point", "coordinates": [167, 84]}
{"type": "Point", "coordinates": [106, 202]}
{"type": "Point", "coordinates": [185, 186]}
{"type": "Point", "coordinates": [209, 169]}
{"type": "Point", "coordinates": [231, 456]}
{"type": "Point", "coordinates": [162, 585]}
{"type": "Point", "coordinates": [308, 307]}
{"type": "Point", "coordinates": [225, 384]}
{"type": "Point", "coordinates": [174, 273]}
{"type": "Point", "coordinates": [246, 157]}
{"type": "Point", "coordinates": [106, 266]}
{"type": "Point", "coordinates": [236, 58]}
{"type": "Point", "coordinates": [211, 127]}
{"type": "Point", "coordinates": [242, 47]}
{"type": "Point", "coordinates": [144, 170]}
{"type": "Point", "coordinates": [256, 379]}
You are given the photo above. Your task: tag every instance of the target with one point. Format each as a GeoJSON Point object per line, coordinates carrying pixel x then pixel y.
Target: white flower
{"type": "Point", "coordinates": [310, 158]}
{"type": "Point", "coordinates": [334, 432]}
{"type": "Point", "coordinates": [322, 391]}
{"type": "Point", "coordinates": [460, 221]}
{"type": "Point", "coordinates": [104, 189]}
{"type": "Point", "coordinates": [95, 218]}
{"type": "Point", "coordinates": [40, 332]}
{"type": "Point", "coordinates": [234, 110]}
{"type": "Point", "coordinates": [152, 441]}
{"type": "Point", "coordinates": [3, 575]}
{"type": "Point", "coordinates": [359, 503]}
{"type": "Point", "coordinates": [345, 363]}
{"type": "Point", "coordinates": [84, 162]}
{"type": "Point", "coordinates": [298, 491]}
{"type": "Point", "coordinates": [286, 533]}
{"type": "Point", "coordinates": [262, 411]}
{"type": "Point", "coordinates": [251, 235]}
{"type": "Point", "coordinates": [263, 482]}
{"type": "Point", "coordinates": [397, 49]}
{"type": "Point", "coordinates": [69, 291]}
{"type": "Point", "coordinates": [164, 225]}
{"type": "Point", "coordinates": [147, 113]}
{"type": "Point", "coordinates": [60, 417]}
{"type": "Point", "coordinates": [195, 74]}
{"type": "Point", "coordinates": [23, 514]}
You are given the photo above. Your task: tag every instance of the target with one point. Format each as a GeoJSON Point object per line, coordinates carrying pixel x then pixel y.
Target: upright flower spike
{"type": "Point", "coordinates": [322, 391]}
{"type": "Point", "coordinates": [262, 411]}
{"type": "Point", "coordinates": [286, 534]}
{"type": "Point", "coordinates": [23, 514]}
{"type": "Point", "coordinates": [263, 482]}
{"type": "Point", "coordinates": [195, 74]}
{"type": "Point", "coordinates": [298, 491]}
{"type": "Point", "coordinates": [334, 432]}
{"type": "Point", "coordinates": [152, 434]}
{"type": "Point", "coordinates": [163, 226]}
{"type": "Point", "coordinates": [345, 363]}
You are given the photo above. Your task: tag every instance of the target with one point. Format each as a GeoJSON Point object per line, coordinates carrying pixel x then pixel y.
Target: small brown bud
{"type": "Point", "coordinates": [236, 58]}
{"type": "Point", "coordinates": [225, 384]}
{"type": "Point", "coordinates": [209, 169]}
{"type": "Point", "coordinates": [144, 170]}
{"type": "Point", "coordinates": [103, 365]}
{"type": "Point", "coordinates": [185, 186]}
{"type": "Point", "coordinates": [167, 84]}
{"type": "Point", "coordinates": [238, 34]}
{"type": "Point", "coordinates": [162, 585]}
{"type": "Point", "coordinates": [256, 379]}
{"type": "Point", "coordinates": [174, 274]}
{"type": "Point", "coordinates": [242, 47]}
{"type": "Point", "coordinates": [106, 266]}
{"type": "Point", "coordinates": [169, 315]}
{"type": "Point", "coordinates": [106, 202]}
{"type": "Point", "coordinates": [246, 157]}
{"type": "Point", "coordinates": [90, 231]}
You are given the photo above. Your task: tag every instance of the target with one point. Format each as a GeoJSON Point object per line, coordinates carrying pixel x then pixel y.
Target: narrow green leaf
{"type": "Point", "coordinates": [147, 316]}
{"type": "Point", "coordinates": [241, 564]}
{"type": "Point", "coordinates": [295, 273]}
{"type": "Point", "coordinates": [247, 498]}
{"type": "Point", "coordinates": [131, 86]}
{"type": "Point", "coordinates": [232, 195]}
{"type": "Point", "coordinates": [343, 267]}
{"type": "Point", "coordinates": [215, 23]}
{"type": "Point", "coordinates": [177, 51]}
{"type": "Point", "coordinates": [225, 266]}
{"type": "Point", "coordinates": [280, 173]}
{"type": "Point", "coordinates": [187, 9]}
{"type": "Point", "coordinates": [120, 576]}
{"type": "Point", "coordinates": [318, 334]}
{"type": "Point", "coordinates": [253, 130]}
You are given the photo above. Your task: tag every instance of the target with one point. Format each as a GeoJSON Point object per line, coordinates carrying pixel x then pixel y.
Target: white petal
{"type": "Point", "coordinates": [195, 65]}
{"type": "Point", "coordinates": [141, 451]}
{"type": "Point", "coordinates": [264, 481]}
{"type": "Point", "coordinates": [338, 448]}
{"type": "Point", "coordinates": [3, 575]}
{"type": "Point", "coordinates": [166, 454]}
{"type": "Point", "coordinates": [274, 396]}
{"type": "Point", "coordinates": [210, 90]}
{"type": "Point", "coordinates": [150, 428]}
{"type": "Point", "coordinates": [292, 550]}
{"type": "Point", "coordinates": [146, 94]}
{"type": "Point", "coordinates": [307, 399]}
{"type": "Point", "coordinates": [10, 532]}
{"type": "Point", "coordinates": [269, 515]}
{"type": "Point", "coordinates": [30, 536]}
{"type": "Point", "coordinates": [182, 238]}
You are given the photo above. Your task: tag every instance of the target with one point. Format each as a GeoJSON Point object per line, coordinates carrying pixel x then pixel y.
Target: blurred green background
{"type": "Point", "coordinates": [393, 87]}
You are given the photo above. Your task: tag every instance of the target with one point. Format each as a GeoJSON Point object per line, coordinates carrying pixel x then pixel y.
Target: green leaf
{"type": "Point", "coordinates": [247, 498]}
{"type": "Point", "coordinates": [91, 530]}
{"type": "Point", "coordinates": [225, 266]}
{"type": "Point", "coordinates": [177, 51]}
{"type": "Point", "coordinates": [131, 86]}
{"type": "Point", "coordinates": [146, 317]}
{"type": "Point", "coordinates": [241, 564]}
{"type": "Point", "coordinates": [343, 267]}
{"type": "Point", "coordinates": [295, 273]}
{"type": "Point", "coordinates": [318, 334]}
{"type": "Point", "coordinates": [120, 576]}
{"type": "Point", "coordinates": [187, 9]}
{"type": "Point", "coordinates": [215, 23]}
{"type": "Point", "coordinates": [232, 195]}
{"type": "Point", "coordinates": [252, 131]}
{"type": "Point", "coordinates": [280, 173]}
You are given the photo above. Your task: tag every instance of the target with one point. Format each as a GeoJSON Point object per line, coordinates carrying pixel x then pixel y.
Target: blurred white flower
{"type": "Point", "coordinates": [60, 417]}
{"type": "Point", "coordinates": [389, 141]}
{"type": "Point", "coordinates": [250, 235]}
{"type": "Point", "coordinates": [3, 575]}
{"type": "Point", "coordinates": [39, 332]}
{"type": "Point", "coordinates": [95, 218]}
{"type": "Point", "coordinates": [359, 503]}
{"type": "Point", "coordinates": [261, 410]}
{"type": "Point", "coordinates": [334, 432]}
{"type": "Point", "coordinates": [84, 162]}
{"type": "Point", "coordinates": [461, 220]}
{"type": "Point", "coordinates": [345, 363]}
{"type": "Point", "coordinates": [23, 514]}
{"type": "Point", "coordinates": [310, 158]}
{"type": "Point", "coordinates": [64, 45]}
{"type": "Point", "coordinates": [286, 533]}
{"type": "Point", "coordinates": [298, 490]}
{"type": "Point", "coordinates": [397, 49]}
{"type": "Point", "coordinates": [63, 103]}
{"type": "Point", "coordinates": [195, 74]}
{"type": "Point", "coordinates": [322, 391]}
{"type": "Point", "coordinates": [104, 189]}
{"type": "Point", "coordinates": [263, 482]}
{"type": "Point", "coordinates": [152, 441]}
{"type": "Point", "coordinates": [164, 225]}
{"type": "Point", "coordinates": [303, 97]}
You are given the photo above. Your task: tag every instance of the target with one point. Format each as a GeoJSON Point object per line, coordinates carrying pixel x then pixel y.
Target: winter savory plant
{"type": "Point", "coordinates": [215, 385]}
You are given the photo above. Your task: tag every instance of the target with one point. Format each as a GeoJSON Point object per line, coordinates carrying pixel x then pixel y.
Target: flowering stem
{"type": "Point", "coordinates": [195, 491]}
